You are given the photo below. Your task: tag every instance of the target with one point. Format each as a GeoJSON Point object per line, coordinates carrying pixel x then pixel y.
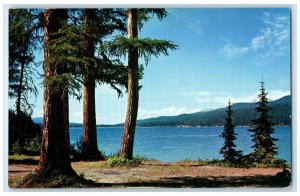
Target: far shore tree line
{"type": "Point", "coordinates": [82, 48]}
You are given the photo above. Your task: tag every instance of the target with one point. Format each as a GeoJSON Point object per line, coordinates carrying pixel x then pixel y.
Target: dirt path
{"type": "Point", "coordinates": [157, 174]}
{"type": "Point", "coordinates": [19, 170]}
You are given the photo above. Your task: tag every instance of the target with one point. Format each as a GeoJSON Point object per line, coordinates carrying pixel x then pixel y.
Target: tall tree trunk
{"type": "Point", "coordinates": [18, 106]}
{"type": "Point", "coordinates": [90, 146]}
{"type": "Point", "coordinates": [133, 89]}
{"type": "Point", "coordinates": [55, 153]}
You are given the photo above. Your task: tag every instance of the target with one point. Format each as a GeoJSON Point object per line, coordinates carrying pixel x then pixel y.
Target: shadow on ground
{"type": "Point", "coordinates": [24, 161]}
{"type": "Point", "coordinates": [199, 182]}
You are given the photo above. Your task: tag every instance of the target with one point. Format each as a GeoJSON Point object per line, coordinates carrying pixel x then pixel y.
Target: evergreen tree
{"type": "Point", "coordinates": [133, 88]}
{"type": "Point", "coordinates": [135, 48]}
{"type": "Point", "coordinates": [98, 23]}
{"type": "Point", "coordinates": [21, 61]}
{"type": "Point", "coordinates": [55, 153]}
{"type": "Point", "coordinates": [90, 146]}
{"type": "Point", "coordinates": [261, 127]}
{"type": "Point", "coordinates": [228, 150]}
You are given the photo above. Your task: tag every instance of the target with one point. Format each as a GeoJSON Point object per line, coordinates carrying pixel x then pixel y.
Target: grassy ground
{"type": "Point", "coordinates": [157, 174]}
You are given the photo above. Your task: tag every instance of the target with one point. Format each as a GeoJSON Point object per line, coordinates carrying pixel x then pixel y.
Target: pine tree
{"type": "Point", "coordinates": [21, 61]}
{"type": "Point", "coordinates": [55, 153]}
{"type": "Point", "coordinates": [228, 150]}
{"type": "Point", "coordinates": [98, 24]}
{"type": "Point", "coordinates": [133, 88]}
{"type": "Point", "coordinates": [261, 127]}
{"type": "Point", "coordinates": [135, 48]}
{"type": "Point", "coordinates": [90, 143]}
{"type": "Point", "coordinates": [74, 47]}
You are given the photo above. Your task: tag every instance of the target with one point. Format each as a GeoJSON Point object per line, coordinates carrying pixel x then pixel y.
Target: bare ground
{"type": "Point", "coordinates": [158, 174]}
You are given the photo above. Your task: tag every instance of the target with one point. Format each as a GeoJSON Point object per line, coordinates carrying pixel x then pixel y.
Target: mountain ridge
{"type": "Point", "coordinates": [243, 114]}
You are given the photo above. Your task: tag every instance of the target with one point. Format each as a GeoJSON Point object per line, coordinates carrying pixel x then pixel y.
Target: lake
{"type": "Point", "coordinates": [170, 144]}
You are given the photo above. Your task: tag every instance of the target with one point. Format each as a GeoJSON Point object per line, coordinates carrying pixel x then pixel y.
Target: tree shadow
{"type": "Point", "coordinates": [24, 161]}
{"type": "Point", "coordinates": [209, 182]}
{"type": "Point", "coordinates": [258, 181]}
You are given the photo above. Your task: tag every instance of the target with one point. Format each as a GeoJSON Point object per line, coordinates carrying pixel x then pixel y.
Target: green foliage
{"type": "Point", "coordinates": [28, 130]}
{"type": "Point", "coordinates": [243, 113]}
{"type": "Point", "coordinates": [271, 162]}
{"type": "Point", "coordinates": [31, 147]}
{"type": "Point", "coordinates": [145, 14]}
{"type": "Point", "coordinates": [264, 144]}
{"type": "Point", "coordinates": [76, 150]}
{"type": "Point", "coordinates": [77, 153]}
{"type": "Point", "coordinates": [21, 58]}
{"type": "Point", "coordinates": [68, 50]}
{"type": "Point", "coordinates": [113, 73]}
{"type": "Point", "coordinates": [34, 145]}
{"type": "Point", "coordinates": [241, 162]}
{"type": "Point", "coordinates": [17, 148]}
{"type": "Point", "coordinates": [146, 47]}
{"type": "Point", "coordinates": [249, 161]}
{"type": "Point", "coordinates": [123, 162]}
{"type": "Point", "coordinates": [221, 163]}
{"type": "Point", "coordinates": [230, 154]}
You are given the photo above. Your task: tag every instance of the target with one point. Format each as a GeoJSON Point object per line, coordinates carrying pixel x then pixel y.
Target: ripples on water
{"type": "Point", "coordinates": [173, 144]}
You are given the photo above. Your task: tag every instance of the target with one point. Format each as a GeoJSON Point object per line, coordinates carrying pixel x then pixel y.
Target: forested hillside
{"type": "Point", "coordinates": [243, 114]}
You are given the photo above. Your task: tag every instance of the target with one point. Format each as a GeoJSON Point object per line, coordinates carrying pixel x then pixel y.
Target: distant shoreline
{"type": "Point", "coordinates": [116, 126]}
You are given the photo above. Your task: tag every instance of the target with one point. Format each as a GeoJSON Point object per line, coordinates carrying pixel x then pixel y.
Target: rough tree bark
{"type": "Point", "coordinates": [55, 153]}
{"type": "Point", "coordinates": [90, 146]}
{"type": "Point", "coordinates": [133, 89]}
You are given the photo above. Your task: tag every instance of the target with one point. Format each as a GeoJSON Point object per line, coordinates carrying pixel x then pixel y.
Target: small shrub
{"type": "Point", "coordinates": [31, 147]}
{"type": "Point", "coordinates": [76, 150]}
{"type": "Point", "coordinates": [34, 145]}
{"type": "Point", "coordinates": [279, 163]}
{"type": "Point", "coordinates": [251, 160]}
{"type": "Point", "coordinates": [221, 163]}
{"type": "Point", "coordinates": [17, 148]}
{"type": "Point", "coordinates": [202, 162]}
{"type": "Point", "coordinates": [77, 153]}
{"type": "Point", "coordinates": [185, 161]}
{"type": "Point", "coordinates": [113, 161]}
{"type": "Point", "coordinates": [119, 162]}
{"type": "Point", "coordinates": [247, 161]}
{"type": "Point", "coordinates": [273, 162]}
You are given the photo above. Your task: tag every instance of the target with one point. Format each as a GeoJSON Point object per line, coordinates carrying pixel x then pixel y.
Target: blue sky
{"type": "Point", "coordinates": [223, 53]}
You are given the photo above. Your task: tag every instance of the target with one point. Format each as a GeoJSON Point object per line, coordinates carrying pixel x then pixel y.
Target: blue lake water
{"type": "Point", "coordinates": [171, 144]}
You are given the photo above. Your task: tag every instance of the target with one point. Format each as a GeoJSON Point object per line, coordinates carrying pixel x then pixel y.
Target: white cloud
{"type": "Point", "coordinates": [214, 100]}
{"type": "Point", "coordinates": [276, 94]}
{"type": "Point", "coordinates": [168, 111]}
{"type": "Point", "coordinates": [261, 40]}
{"type": "Point", "coordinates": [195, 27]}
{"type": "Point", "coordinates": [188, 22]}
{"type": "Point", "coordinates": [220, 99]}
{"type": "Point", "coordinates": [273, 37]}
{"type": "Point", "coordinates": [205, 100]}
{"type": "Point", "coordinates": [231, 50]}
